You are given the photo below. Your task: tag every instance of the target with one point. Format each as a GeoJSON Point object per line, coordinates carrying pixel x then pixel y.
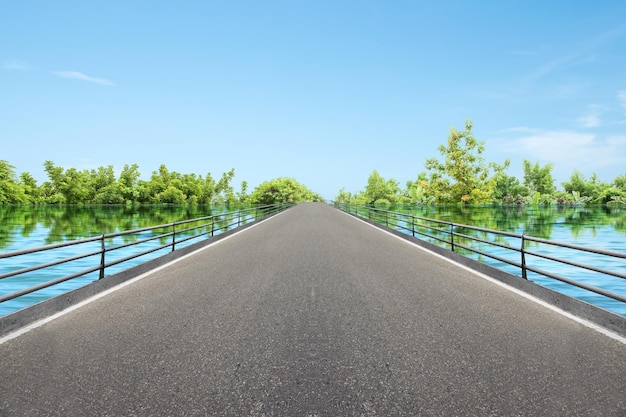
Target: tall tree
{"type": "Point", "coordinates": [538, 179]}
{"type": "Point", "coordinates": [381, 191]}
{"type": "Point", "coordinates": [462, 176]}
{"type": "Point", "coordinates": [128, 182]}
{"type": "Point", "coordinates": [11, 192]}
{"type": "Point", "coordinates": [31, 189]}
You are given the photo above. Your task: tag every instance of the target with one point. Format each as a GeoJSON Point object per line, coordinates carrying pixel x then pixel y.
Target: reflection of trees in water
{"type": "Point", "coordinates": [532, 221]}
{"type": "Point", "coordinates": [69, 222]}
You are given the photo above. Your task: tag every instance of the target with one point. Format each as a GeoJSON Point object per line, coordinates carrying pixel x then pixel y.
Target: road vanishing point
{"type": "Point", "coordinates": [312, 312]}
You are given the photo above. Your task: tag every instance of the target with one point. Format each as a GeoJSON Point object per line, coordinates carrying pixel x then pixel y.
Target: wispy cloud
{"type": "Point", "coordinates": [75, 75]}
{"type": "Point", "coordinates": [592, 118]}
{"type": "Point", "coordinates": [567, 150]}
{"type": "Point", "coordinates": [582, 53]}
{"type": "Point", "coordinates": [14, 64]}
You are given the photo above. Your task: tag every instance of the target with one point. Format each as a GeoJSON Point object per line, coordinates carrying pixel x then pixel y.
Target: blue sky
{"type": "Point", "coordinates": [321, 91]}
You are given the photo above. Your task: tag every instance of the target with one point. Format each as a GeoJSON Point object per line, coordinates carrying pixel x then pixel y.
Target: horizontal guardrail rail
{"type": "Point", "coordinates": [455, 237]}
{"type": "Point", "coordinates": [166, 235]}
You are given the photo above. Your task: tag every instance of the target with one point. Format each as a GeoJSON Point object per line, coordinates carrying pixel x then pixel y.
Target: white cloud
{"type": "Point", "coordinates": [14, 64]}
{"type": "Point", "coordinates": [592, 118]}
{"type": "Point", "coordinates": [567, 150]}
{"type": "Point", "coordinates": [616, 141]}
{"type": "Point", "coordinates": [75, 75]}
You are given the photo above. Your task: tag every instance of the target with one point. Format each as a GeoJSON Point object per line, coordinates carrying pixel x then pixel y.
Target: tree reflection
{"type": "Point", "coordinates": [70, 222]}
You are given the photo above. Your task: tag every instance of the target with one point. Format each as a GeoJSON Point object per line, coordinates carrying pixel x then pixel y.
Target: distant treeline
{"type": "Point", "coordinates": [463, 176]}
{"type": "Point", "coordinates": [101, 186]}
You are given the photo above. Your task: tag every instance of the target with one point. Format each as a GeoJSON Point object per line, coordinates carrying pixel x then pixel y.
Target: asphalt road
{"type": "Point", "coordinates": [312, 313]}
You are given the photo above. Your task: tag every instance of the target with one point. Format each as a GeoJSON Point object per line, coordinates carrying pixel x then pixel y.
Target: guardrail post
{"type": "Point", "coordinates": [173, 236]}
{"type": "Point", "coordinates": [523, 251]}
{"type": "Point", "coordinates": [101, 257]}
{"type": "Point", "coordinates": [452, 236]}
{"type": "Point", "coordinates": [413, 225]}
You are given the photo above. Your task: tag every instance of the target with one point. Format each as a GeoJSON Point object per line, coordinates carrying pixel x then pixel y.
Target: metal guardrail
{"type": "Point", "coordinates": [171, 233]}
{"type": "Point", "coordinates": [454, 236]}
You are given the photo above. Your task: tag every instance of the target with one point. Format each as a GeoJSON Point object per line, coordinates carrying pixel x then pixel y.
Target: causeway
{"type": "Point", "coordinates": [312, 312]}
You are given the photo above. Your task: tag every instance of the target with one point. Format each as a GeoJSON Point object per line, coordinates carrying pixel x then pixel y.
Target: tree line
{"type": "Point", "coordinates": [463, 176]}
{"type": "Point", "coordinates": [101, 186]}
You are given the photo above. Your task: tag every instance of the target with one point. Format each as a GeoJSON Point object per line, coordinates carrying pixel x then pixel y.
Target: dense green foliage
{"type": "Point", "coordinates": [463, 176]}
{"type": "Point", "coordinates": [100, 186]}
{"type": "Point", "coordinates": [283, 190]}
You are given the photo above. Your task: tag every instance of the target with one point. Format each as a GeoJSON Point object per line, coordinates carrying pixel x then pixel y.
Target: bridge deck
{"type": "Point", "coordinates": [312, 312]}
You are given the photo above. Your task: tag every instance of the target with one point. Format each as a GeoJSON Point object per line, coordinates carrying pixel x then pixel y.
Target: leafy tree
{"type": "Point", "coordinates": [620, 183]}
{"type": "Point", "coordinates": [207, 190]}
{"type": "Point", "coordinates": [344, 197]}
{"type": "Point", "coordinates": [171, 195]}
{"type": "Point", "coordinates": [10, 190]}
{"type": "Point", "coordinates": [66, 186]}
{"type": "Point", "coordinates": [128, 183]}
{"type": "Point", "coordinates": [29, 184]}
{"type": "Point", "coordinates": [103, 188]}
{"type": "Point", "coordinates": [223, 190]}
{"type": "Point", "coordinates": [538, 179]}
{"type": "Point", "coordinates": [282, 190]}
{"type": "Point", "coordinates": [380, 191]}
{"type": "Point", "coordinates": [462, 176]}
{"type": "Point", "coordinates": [242, 196]}
{"type": "Point", "coordinates": [109, 194]}
{"type": "Point", "coordinates": [418, 191]}
{"type": "Point", "coordinates": [508, 189]}
{"type": "Point", "coordinates": [75, 186]}
{"type": "Point", "coordinates": [592, 188]}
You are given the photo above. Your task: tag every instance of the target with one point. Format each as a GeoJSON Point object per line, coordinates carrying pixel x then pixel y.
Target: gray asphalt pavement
{"type": "Point", "coordinates": [312, 313]}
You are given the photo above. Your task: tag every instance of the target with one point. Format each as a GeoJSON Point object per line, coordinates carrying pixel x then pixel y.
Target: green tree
{"type": "Point", "coordinates": [171, 195]}
{"type": "Point", "coordinates": [592, 188]}
{"type": "Point", "coordinates": [381, 191]}
{"type": "Point", "coordinates": [11, 192]}
{"type": "Point", "coordinates": [129, 183]}
{"type": "Point", "coordinates": [344, 197]}
{"type": "Point", "coordinates": [282, 190]}
{"type": "Point", "coordinates": [620, 182]}
{"type": "Point", "coordinates": [103, 187]}
{"type": "Point", "coordinates": [29, 184]}
{"type": "Point", "coordinates": [76, 186]}
{"type": "Point", "coordinates": [418, 192]}
{"type": "Point", "coordinates": [538, 179]}
{"type": "Point", "coordinates": [508, 189]}
{"type": "Point", "coordinates": [242, 196]}
{"type": "Point", "coordinates": [207, 190]}
{"type": "Point", "coordinates": [462, 176]}
{"type": "Point", "coordinates": [65, 186]}
{"type": "Point", "coordinates": [223, 189]}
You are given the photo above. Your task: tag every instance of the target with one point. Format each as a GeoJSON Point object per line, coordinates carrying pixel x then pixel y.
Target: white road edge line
{"type": "Point", "coordinates": [584, 322]}
{"type": "Point", "coordinates": [104, 293]}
